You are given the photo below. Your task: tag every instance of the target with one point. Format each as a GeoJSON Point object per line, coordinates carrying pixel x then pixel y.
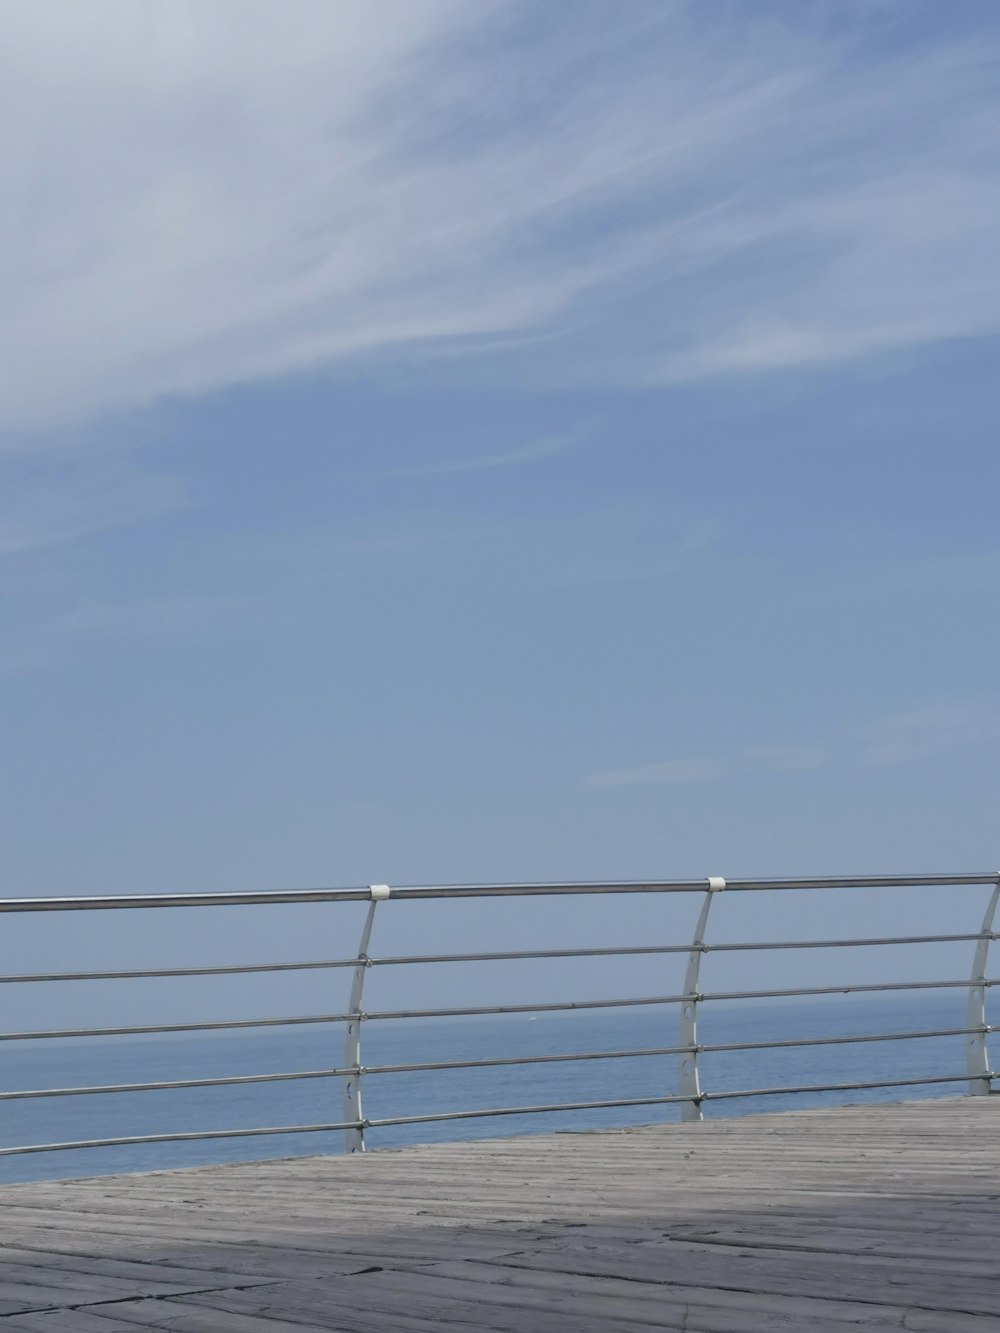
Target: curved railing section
{"type": "Point", "coordinates": [690, 1095]}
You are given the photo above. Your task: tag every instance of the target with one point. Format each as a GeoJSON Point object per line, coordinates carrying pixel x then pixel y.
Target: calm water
{"type": "Point", "coordinates": [55, 1064]}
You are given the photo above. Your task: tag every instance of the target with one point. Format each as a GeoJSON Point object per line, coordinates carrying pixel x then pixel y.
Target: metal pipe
{"type": "Point", "coordinates": [417, 892]}
{"type": "Point", "coordinates": [138, 901]}
{"type": "Point", "coordinates": [485, 1113]}
{"type": "Point", "coordinates": [237, 969]}
{"type": "Point", "coordinates": [696, 885]}
{"type": "Point", "coordinates": [172, 1085]}
{"type": "Point", "coordinates": [563, 1006]}
{"type": "Point", "coordinates": [977, 1056]}
{"type": "Point", "coordinates": [699, 996]}
{"type": "Point", "coordinates": [354, 1139]}
{"type": "Point", "coordinates": [656, 1101]}
{"type": "Point", "coordinates": [159, 1028]}
{"type": "Point", "coordinates": [835, 990]}
{"type": "Point", "coordinates": [231, 969]}
{"type": "Point", "coordinates": [189, 1137]}
{"type": "Point", "coordinates": [786, 1043]}
{"type": "Point", "coordinates": [841, 944]}
{"type": "Point", "coordinates": [482, 1010]}
{"type": "Point", "coordinates": [491, 1062]}
{"type": "Point", "coordinates": [141, 901]}
{"type": "Point", "coordinates": [689, 1083]}
{"type": "Point", "coordinates": [522, 1110]}
{"type": "Point", "coordinates": [836, 1087]}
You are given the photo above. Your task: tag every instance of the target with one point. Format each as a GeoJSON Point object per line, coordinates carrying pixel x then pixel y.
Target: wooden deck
{"type": "Point", "coordinates": [865, 1217]}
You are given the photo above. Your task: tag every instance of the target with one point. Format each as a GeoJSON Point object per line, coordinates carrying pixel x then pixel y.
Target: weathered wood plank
{"type": "Point", "coordinates": [63, 1321]}
{"type": "Point", "coordinates": [811, 1222]}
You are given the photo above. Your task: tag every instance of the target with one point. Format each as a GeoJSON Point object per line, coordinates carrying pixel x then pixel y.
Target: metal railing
{"type": "Point", "coordinates": [690, 1095]}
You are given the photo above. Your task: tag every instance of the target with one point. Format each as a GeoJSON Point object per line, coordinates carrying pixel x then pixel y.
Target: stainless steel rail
{"type": "Point", "coordinates": [125, 902]}
{"type": "Point", "coordinates": [517, 955]}
{"type": "Point", "coordinates": [491, 1062]}
{"type": "Point", "coordinates": [355, 1017]}
{"type": "Point", "coordinates": [690, 1096]}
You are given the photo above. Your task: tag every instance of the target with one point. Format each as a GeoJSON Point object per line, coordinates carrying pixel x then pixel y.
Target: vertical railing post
{"type": "Point", "coordinates": [977, 1052]}
{"type": "Point", "coordinates": [689, 1081]}
{"type": "Point", "coordinates": [354, 1138]}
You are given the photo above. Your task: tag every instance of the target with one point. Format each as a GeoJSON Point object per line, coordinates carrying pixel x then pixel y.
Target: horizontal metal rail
{"type": "Point", "coordinates": [324, 1128]}
{"type": "Point", "coordinates": [486, 1113]}
{"type": "Point", "coordinates": [623, 951]}
{"type": "Point", "coordinates": [176, 1084]}
{"type": "Point", "coordinates": [118, 902]}
{"type": "Point", "coordinates": [836, 1087]}
{"type": "Point", "coordinates": [518, 955]}
{"type": "Point", "coordinates": [130, 902]}
{"type": "Point", "coordinates": [146, 973]}
{"type": "Point", "coordinates": [853, 1039]}
{"type": "Point", "coordinates": [654, 1101]}
{"type": "Point", "coordinates": [150, 1029]}
{"type": "Point", "coordinates": [189, 1136]}
{"type": "Point", "coordinates": [481, 1011]}
{"type": "Point", "coordinates": [867, 988]}
{"type": "Point", "coordinates": [473, 1114]}
{"type": "Point", "coordinates": [158, 1029]}
{"type": "Point", "coordinates": [491, 1062]}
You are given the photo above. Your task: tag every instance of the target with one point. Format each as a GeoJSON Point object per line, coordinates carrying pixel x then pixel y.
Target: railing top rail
{"type": "Point", "coordinates": [111, 902]}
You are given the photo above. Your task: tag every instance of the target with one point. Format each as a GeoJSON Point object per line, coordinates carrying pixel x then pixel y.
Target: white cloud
{"type": "Point", "coordinates": [896, 738]}
{"type": "Point", "coordinates": [535, 452]}
{"type": "Point", "coordinates": [56, 510]}
{"type": "Point", "coordinates": [702, 769]}
{"type": "Point", "coordinates": [195, 195]}
{"type": "Point", "coordinates": [918, 575]}
{"type": "Point", "coordinates": [760, 759]}
{"type": "Point", "coordinates": [91, 624]}
{"type": "Point", "coordinates": [933, 729]}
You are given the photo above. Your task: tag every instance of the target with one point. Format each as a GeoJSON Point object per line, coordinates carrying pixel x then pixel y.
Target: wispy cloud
{"type": "Point", "coordinates": [89, 623]}
{"type": "Point", "coordinates": [635, 546]}
{"type": "Point", "coordinates": [705, 768]}
{"type": "Point", "coordinates": [916, 576]}
{"type": "Point", "coordinates": [932, 729]}
{"type": "Point", "coordinates": [535, 452]}
{"type": "Point", "coordinates": [55, 510]}
{"type": "Point", "coordinates": [200, 195]}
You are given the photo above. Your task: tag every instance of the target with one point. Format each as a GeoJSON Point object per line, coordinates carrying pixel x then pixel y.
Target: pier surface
{"type": "Point", "coordinates": [882, 1217]}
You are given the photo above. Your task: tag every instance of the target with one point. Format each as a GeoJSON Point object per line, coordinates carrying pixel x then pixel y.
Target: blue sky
{"type": "Point", "coordinates": [481, 442]}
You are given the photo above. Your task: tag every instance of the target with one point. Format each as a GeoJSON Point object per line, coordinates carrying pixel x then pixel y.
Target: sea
{"type": "Point", "coordinates": [58, 1063]}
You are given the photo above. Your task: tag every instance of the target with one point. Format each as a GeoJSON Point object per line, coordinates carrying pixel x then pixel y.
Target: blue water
{"type": "Point", "coordinates": [60, 1064]}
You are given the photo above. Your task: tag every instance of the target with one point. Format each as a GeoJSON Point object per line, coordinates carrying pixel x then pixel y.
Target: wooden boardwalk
{"type": "Point", "coordinates": [863, 1217]}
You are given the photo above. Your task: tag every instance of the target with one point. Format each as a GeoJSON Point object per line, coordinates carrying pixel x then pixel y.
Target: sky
{"type": "Point", "coordinates": [449, 442]}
